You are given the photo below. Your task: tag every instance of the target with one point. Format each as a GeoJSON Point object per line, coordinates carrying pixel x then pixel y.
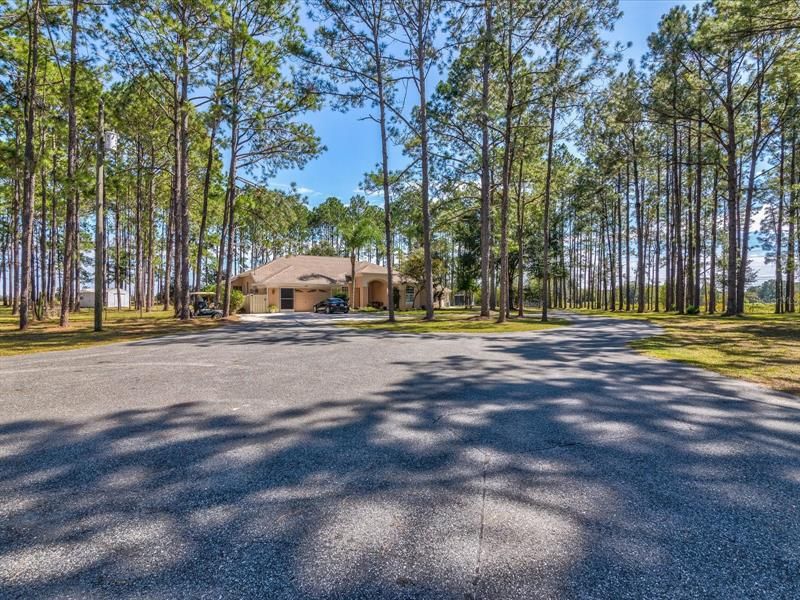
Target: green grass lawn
{"type": "Point", "coordinates": [119, 326]}
{"type": "Point", "coordinates": [761, 347]}
{"type": "Point", "coordinates": [453, 321]}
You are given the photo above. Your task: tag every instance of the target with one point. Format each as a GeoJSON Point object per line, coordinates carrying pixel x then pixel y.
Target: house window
{"type": "Point", "coordinates": [409, 295]}
{"type": "Point", "coordinates": [287, 298]}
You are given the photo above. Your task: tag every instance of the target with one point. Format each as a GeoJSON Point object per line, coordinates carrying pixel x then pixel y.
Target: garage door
{"type": "Point", "coordinates": [305, 299]}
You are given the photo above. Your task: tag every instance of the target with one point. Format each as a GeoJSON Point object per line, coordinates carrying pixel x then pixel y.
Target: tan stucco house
{"type": "Point", "coordinates": [297, 283]}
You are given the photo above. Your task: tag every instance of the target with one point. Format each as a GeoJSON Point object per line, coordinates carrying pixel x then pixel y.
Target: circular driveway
{"type": "Point", "coordinates": [280, 459]}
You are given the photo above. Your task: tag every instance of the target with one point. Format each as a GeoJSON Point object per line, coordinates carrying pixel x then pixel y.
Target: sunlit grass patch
{"type": "Point", "coordinates": [118, 326]}
{"type": "Point", "coordinates": [761, 347]}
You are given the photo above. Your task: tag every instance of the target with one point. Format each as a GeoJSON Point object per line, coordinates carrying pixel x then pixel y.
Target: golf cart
{"type": "Point", "coordinates": [201, 305]}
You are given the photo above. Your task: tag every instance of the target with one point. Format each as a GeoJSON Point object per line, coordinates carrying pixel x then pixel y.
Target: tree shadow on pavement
{"type": "Point", "coordinates": [548, 466]}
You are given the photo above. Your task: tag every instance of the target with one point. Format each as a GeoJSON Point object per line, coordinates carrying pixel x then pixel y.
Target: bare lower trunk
{"type": "Point", "coordinates": [712, 278]}
{"type": "Point", "coordinates": [779, 234]}
{"type": "Point", "coordinates": [42, 237]}
{"type": "Point", "coordinates": [167, 286]}
{"type": "Point", "coordinates": [14, 284]}
{"type": "Point", "coordinates": [204, 214]}
{"type": "Point", "coordinates": [99, 227]}
{"type": "Point", "coordinates": [151, 233]}
{"type": "Point", "coordinates": [223, 245]}
{"type": "Point", "coordinates": [521, 239]}
{"type": "Point", "coordinates": [546, 212]}
{"type": "Point", "coordinates": [791, 241]}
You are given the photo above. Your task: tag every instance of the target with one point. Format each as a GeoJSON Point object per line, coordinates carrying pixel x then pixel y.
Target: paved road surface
{"type": "Point", "coordinates": [282, 459]}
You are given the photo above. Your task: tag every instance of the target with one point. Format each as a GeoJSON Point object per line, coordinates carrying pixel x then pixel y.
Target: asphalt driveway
{"type": "Point", "coordinates": [307, 318]}
{"type": "Point", "coordinates": [282, 459]}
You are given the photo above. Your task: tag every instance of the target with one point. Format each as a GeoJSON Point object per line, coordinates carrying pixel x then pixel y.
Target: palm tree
{"type": "Point", "coordinates": [358, 230]}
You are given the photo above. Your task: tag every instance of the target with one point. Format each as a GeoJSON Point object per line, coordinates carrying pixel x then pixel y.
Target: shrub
{"type": "Point", "coordinates": [758, 307]}
{"type": "Point", "coordinates": [237, 300]}
{"type": "Point", "coordinates": [272, 308]}
{"type": "Point", "coordinates": [693, 310]}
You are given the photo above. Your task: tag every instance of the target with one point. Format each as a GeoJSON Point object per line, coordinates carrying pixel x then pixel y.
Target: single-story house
{"type": "Point", "coordinates": [297, 283]}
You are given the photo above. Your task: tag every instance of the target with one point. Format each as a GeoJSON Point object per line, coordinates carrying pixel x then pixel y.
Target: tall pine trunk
{"type": "Point", "coordinates": [421, 76]}
{"type": "Point", "coordinates": [29, 169]}
{"type": "Point", "coordinates": [779, 301]}
{"type": "Point", "coordinates": [230, 195]}
{"type": "Point", "coordinates": [697, 217]}
{"type": "Point", "coordinates": [748, 209]}
{"type": "Point", "coordinates": [183, 181]}
{"type": "Point", "coordinates": [486, 204]}
{"type": "Point", "coordinates": [640, 263]}
{"type": "Point", "coordinates": [201, 235]}
{"type": "Point", "coordinates": [548, 183]}
{"type": "Point", "coordinates": [733, 197]}
{"type": "Point", "coordinates": [215, 120]}
{"type": "Point", "coordinates": [387, 205]}
{"type": "Point", "coordinates": [70, 233]}
{"type": "Point", "coordinates": [506, 178]}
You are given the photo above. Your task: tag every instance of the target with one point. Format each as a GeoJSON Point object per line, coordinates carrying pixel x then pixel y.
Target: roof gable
{"type": "Point", "coordinates": [309, 270]}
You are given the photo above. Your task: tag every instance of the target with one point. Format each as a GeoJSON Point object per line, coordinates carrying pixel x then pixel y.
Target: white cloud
{"type": "Point", "coordinates": [305, 191]}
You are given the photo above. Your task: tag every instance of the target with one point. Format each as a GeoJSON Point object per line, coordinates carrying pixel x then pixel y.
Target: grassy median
{"type": "Point", "coordinates": [119, 326]}
{"type": "Point", "coordinates": [760, 347]}
{"type": "Point", "coordinates": [454, 321]}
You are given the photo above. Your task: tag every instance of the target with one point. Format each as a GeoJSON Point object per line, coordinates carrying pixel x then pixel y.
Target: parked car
{"type": "Point", "coordinates": [332, 305]}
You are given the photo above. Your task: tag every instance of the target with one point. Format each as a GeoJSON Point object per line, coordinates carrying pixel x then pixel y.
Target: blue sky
{"type": "Point", "coordinates": [353, 144]}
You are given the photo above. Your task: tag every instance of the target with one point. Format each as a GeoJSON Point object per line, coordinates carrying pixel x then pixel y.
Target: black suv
{"type": "Point", "coordinates": [332, 305]}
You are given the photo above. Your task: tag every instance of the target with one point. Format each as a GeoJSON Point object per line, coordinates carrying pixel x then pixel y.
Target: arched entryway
{"type": "Point", "coordinates": [377, 293]}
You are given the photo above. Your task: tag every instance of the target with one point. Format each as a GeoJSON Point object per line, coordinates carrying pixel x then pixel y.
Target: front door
{"type": "Point", "coordinates": [287, 298]}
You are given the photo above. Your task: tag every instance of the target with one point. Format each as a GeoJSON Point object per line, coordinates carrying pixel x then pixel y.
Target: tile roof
{"type": "Point", "coordinates": [309, 270]}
